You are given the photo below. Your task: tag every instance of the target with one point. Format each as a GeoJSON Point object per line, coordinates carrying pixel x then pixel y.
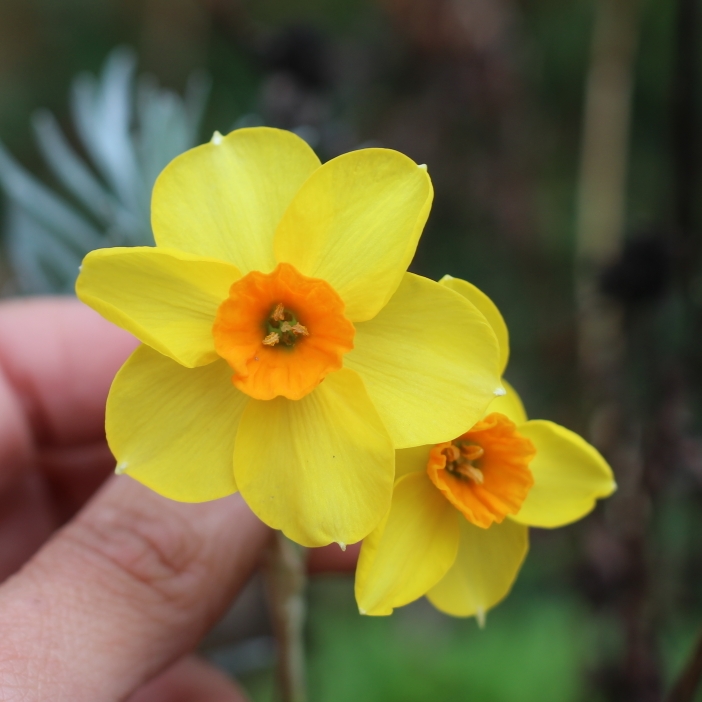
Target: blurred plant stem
{"type": "Point", "coordinates": [605, 148]}
{"type": "Point", "coordinates": [285, 576]}
{"type": "Point", "coordinates": [602, 332]}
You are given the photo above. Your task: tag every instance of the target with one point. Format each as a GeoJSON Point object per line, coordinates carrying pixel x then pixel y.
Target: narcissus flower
{"type": "Point", "coordinates": [286, 351]}
{"type": "Point", "coordinates": [457, 530]}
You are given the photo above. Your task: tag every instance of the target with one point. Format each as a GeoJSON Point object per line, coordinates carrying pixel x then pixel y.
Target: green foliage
{"type": "Point", "coordinates": [526, 653]}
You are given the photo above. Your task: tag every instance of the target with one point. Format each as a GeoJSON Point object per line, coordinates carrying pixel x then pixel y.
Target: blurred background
{"type": "Point", "coordinates": [563, 141]}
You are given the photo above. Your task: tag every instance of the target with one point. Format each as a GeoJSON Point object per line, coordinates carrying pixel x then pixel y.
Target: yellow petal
{"type": "Point", "coordinates": [509, 404]}
{"type": "Point", "coordinates": [486, 565]}
{"type": "Point", "coordinates": [166, 298]}
{"type": "Point", "coordinates": [488, 308]}
{"type": "Point", "coordinates": [410, 551]}
{"type": "Point", "coordinates": [224, 199]}
{"type": "Point", "coordinates": [412, 460]}
{"type": "Point", "coordinates": [429, 361]}
{"type": "Point", "coordinates": [356, 223]}
{"type": "Point", "coordinates": [569, 476]}
{"type": "Point", "coordinates": [320, 468]}
{"type": "Point", "coordinates": [173, 428]}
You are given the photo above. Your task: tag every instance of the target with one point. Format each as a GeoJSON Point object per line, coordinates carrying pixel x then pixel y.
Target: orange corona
{"type": "Point", "coordinates": [485, 472]}
{"type": "Point", "coordinates": [282, 333]}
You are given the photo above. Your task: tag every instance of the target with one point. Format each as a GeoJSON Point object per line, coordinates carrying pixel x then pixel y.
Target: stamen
{"type": "Point", "coordinates": [476, 474]}
{"type": "Point", "coordinates": [278, 313]}
{"type": "Point", "coordinates": [460, 457]}
{"type": "Point", "coordinates": [464, 469]}
{"type": "Point", "coordinates": [283, 327]}
{"type": "Point", "coordinates": [471, 452]}
{"type": "Point", "coordinates": [452, 454]}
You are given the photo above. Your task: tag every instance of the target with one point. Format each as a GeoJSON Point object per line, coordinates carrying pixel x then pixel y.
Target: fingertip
{"type": "Point", "coordinates": [60, 357]}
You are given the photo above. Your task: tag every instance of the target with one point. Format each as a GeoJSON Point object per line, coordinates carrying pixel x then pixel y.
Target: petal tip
{"type": "Point", "coordinates": [342, 545]}
{"type": "Point", "coordinates": [121, 468]}
{"type": "Point", "coordinates": [216, 138]}
{"type": "Point", "coordinates": [500, 392]}
{"type": "Point", "coordinates": [480, 616]}
{"type": "Point", "coordinates": [422, 166]}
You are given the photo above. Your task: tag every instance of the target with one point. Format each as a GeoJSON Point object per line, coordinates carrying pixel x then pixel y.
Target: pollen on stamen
{"type": "Point", "coordinates": [452, 453]}
{"type": "Point", "coordinates": [300, 330]}
{"type": "Point", "coordinates": [476, 474]}
{"type": "Point", "coordinates": [272, 339]}
{"type": "Point", "coordinates": [278, 313]}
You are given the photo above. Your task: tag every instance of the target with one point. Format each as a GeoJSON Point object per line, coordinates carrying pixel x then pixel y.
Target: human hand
{"type": "Point", "coordinates": [127, 586]}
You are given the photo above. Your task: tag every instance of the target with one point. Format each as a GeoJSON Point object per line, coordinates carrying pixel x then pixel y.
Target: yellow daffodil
{"type": "Point", "coordinates": [286, 351]}
{"type": "Point", "coordinates": [457, 530]}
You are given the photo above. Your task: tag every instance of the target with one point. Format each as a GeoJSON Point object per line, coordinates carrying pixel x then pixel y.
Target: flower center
{"type": "Point", "coordinates": [283, 328]}
{"type": "Point", "coordinates": [460, 460]}
{"type": "Point", "coordinates": [484, 473]}
{"type": "Point", "coordinates": [282, 333]}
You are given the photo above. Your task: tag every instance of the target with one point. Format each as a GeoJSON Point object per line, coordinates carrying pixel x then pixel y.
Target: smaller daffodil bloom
{"type": "Point", "coordinates": [457, 530]}
{"type": "Point", "coordinates": [287, 352]}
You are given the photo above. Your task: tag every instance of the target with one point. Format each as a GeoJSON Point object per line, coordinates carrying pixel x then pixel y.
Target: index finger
{"type": "Point", "coordinates": [58, 358]}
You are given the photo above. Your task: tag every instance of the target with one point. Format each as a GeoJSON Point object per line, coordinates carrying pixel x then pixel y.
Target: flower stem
{"type": "Point", "coordinates": [284, 572]}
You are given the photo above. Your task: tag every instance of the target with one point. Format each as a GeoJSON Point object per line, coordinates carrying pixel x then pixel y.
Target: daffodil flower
{"type": "Point", "coordinates": [457, 530]}
{"type": "Point", "coordinates": [286, 351]}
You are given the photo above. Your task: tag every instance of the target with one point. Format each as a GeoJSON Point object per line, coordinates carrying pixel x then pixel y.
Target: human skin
{"type": "Point", "coordinates": [106, 588]}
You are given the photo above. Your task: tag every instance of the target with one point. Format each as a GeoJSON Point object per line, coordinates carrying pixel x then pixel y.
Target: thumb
{"type": "Point", "coordinates": [121, 593]}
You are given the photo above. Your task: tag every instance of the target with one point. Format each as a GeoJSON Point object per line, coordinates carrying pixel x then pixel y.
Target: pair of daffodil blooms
{"type": "Point", "coordinates": [288, 354]}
